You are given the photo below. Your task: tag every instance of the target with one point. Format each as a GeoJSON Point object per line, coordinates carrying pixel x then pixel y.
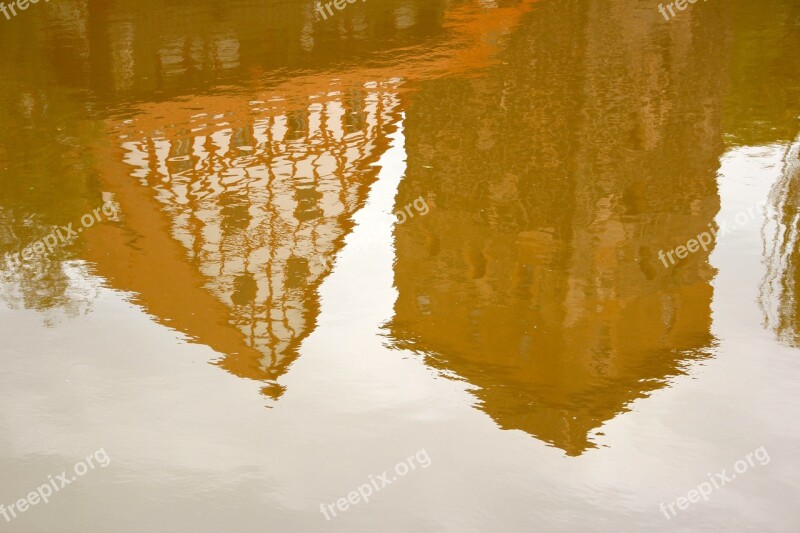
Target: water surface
{"type": "Point", "coordinates": [412, 226]}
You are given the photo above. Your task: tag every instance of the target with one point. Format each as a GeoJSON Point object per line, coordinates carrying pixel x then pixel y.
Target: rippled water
{"type": "Point", "coordinates": [544, 253]}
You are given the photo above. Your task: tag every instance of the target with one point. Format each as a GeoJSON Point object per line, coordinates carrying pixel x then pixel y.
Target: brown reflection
{"type": "Point", "coordinates": [764, 102]}
{"type": "Point", "coordinates": [556, 180]}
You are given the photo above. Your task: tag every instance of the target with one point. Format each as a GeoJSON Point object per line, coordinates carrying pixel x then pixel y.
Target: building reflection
{"type": "Point", "coordinates": [556, 180]}
{"type": "Point", "coordinates": [238, 225]}
{"type": "Point", "coordinates": [236, 204]}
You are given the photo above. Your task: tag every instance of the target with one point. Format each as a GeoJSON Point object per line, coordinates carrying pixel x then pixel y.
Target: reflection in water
{"type": "Point", "coordinates": [779, 289]}
{"type": "Point", "coordinates": [239, 146]}
{"type": "Point", "coordinates": [557, 178]}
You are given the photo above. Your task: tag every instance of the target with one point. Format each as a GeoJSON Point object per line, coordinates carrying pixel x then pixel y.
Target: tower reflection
{"type": "Point", "coordinates": [556, 180]}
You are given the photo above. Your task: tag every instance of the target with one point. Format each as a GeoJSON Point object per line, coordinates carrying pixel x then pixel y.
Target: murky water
{"type": "Point", "coordinates": [485, 265]}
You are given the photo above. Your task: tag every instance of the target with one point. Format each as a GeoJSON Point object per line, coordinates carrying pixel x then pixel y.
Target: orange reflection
{"type": "Point", "coordinates": [234, 204]}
